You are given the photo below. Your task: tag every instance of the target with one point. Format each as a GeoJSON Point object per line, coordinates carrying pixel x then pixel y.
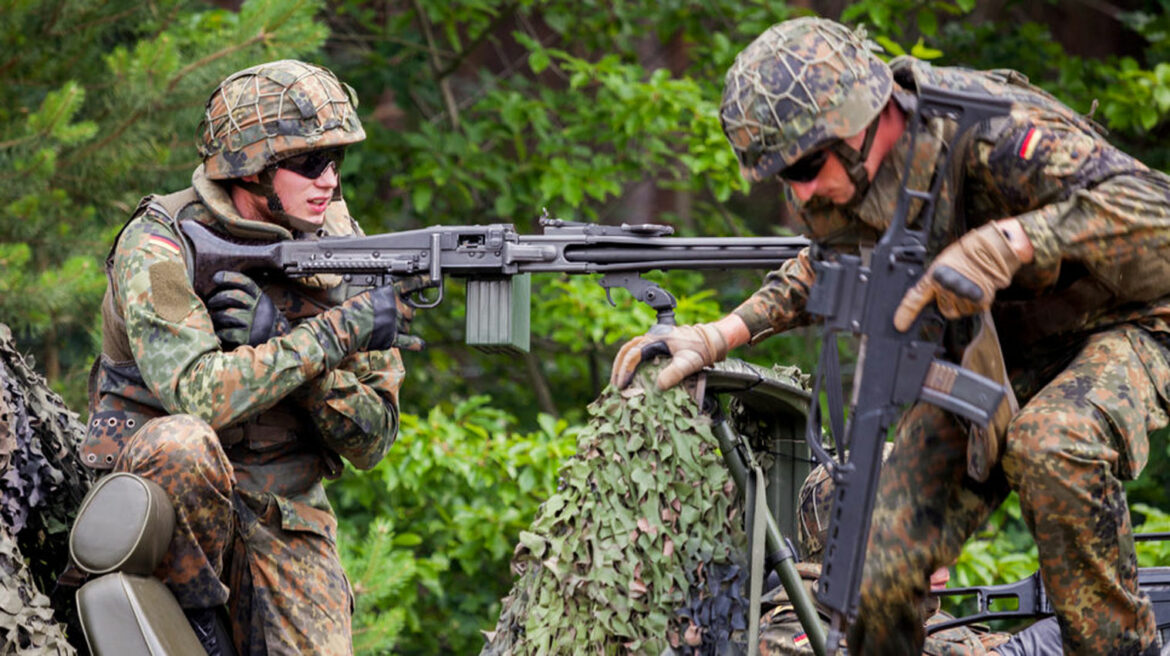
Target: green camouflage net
{"type": "Point", "coordinates": [640, 549]}
{"type": "Point", "coordinates": [27, 625]}
{"type": "Point", "coordinates": [42, 483]}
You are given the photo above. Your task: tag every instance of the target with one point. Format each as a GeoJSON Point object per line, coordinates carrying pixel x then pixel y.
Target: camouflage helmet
{"type": "Point", "coordinates": [801, 85]}
{"type": "Point", "coordinates": [266, 113]}
{"type": "Point", "coordinates": [814, 502]}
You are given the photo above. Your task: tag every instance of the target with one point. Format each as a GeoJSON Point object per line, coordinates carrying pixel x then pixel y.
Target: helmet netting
{"type": "Point", "coordinates": [797, 86]}
{"type": "Point", "coordinates": [273, 111]}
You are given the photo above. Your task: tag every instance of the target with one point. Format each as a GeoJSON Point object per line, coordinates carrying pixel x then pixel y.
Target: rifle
{"type": "Point", "coordinates": [894, 368]}
{"type": "Point", "coordinates": [1030, 599]}
{"type": "Point", "coordinates": [495, 260]}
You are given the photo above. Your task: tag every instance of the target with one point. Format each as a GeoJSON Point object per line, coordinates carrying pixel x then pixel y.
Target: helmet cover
{"type": "Point", "coordinates": [263, 114]}
{"type": "Point", "coordinates": [799, 86]}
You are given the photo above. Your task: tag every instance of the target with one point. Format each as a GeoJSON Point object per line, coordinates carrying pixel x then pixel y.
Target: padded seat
{"type": "Point", "coordinates": [120, 535]}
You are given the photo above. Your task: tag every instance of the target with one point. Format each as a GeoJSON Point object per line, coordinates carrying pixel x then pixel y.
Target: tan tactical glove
{"type": "Point", "coordinates": [691, 348]}
{"type": "Point", "coordinates": [963, 278]}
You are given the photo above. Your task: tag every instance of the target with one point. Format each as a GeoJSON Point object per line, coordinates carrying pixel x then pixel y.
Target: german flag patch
{"type": "Point", "coordinates": [800, 639]}
{"type": "Point", "coordinates": [1028, 145]}
{"type": "Point", "coordinates": [165, 244]}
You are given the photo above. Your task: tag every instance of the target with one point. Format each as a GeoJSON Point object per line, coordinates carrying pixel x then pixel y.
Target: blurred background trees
{"type": "Point", "coordinates": [484, 111]}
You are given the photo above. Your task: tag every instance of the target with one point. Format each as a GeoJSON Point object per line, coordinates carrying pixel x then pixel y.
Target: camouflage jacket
{"type": "Point", "coordinates": [284, 409]}
{"type": "Point", "coordinates": [1097, 218]}
{"type": "Point", "coordinates": [782, 634]}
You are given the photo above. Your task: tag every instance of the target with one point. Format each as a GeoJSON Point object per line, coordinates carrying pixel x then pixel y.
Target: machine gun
{"type": "Point", "coordinates": [495, 260]}
{"type": "Point", "coordinates": [894, 368]}
{"type": "Point", "coordinates": [1027, 598]}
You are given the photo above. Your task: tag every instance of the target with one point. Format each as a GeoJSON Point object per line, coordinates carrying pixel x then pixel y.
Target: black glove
{"type": "Point", "coordinates": [242, 313]}
{"type": "Point", "coordinates": [386, 317]}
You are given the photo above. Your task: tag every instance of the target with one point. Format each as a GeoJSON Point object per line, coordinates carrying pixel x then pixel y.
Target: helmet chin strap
{"type": "Point", "coordinates": [264, 187]}
{"type": "Point", "coordinates": [854, 163]}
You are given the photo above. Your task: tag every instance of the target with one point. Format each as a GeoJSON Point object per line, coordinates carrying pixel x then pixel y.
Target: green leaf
{"type": "Point", "coordinates": [921, 51]}
{"type": "Point", "coordinates": [890, 46]}
{"type": "Point", "coordinates": [421, 196]}
{"type": "Point", "coordinates": [538, 61]}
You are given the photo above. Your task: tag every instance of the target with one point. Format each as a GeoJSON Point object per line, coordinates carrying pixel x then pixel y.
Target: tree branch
{"type": "Point", "coordinates": [436, 66]}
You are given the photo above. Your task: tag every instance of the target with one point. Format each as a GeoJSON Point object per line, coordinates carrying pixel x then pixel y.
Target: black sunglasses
{"type": "Point", "coordinates": [312, 164]}
{"type": "Point", "coordinates": [806, 168]}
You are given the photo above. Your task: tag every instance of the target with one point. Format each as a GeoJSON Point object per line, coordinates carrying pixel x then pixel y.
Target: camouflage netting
{"type": "Point", "coordinates": [42, 483]}
{"type": "Point", "coordinates": [640, 549]}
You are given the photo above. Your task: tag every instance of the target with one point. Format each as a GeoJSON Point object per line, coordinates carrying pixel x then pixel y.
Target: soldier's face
{"type": "Point", "coordinates": [832, 184]}
{"type": "Point", "coordinates": [305, 199]}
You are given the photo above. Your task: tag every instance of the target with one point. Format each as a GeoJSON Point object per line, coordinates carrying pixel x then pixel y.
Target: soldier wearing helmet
{"type": "Point", "coordinates": [782, 633]}
{"type": "Point", "coordinates": [1041, 224]}
{"type": "Point", "coordinates": [240, 403]}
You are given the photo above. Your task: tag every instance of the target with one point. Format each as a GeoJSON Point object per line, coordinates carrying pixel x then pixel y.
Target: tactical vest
{"type": "Point", "coordinates": [120, 401]}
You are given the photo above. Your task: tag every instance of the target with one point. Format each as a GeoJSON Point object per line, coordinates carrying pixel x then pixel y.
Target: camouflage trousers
{"type": "Point", "coordinates": [284, 588]}
{"type": "Point", "coordinates": [1066, 453]}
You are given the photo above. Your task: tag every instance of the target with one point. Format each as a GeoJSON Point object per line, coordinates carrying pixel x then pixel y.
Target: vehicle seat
{"type": "Point", "coordinates": [120, 535]}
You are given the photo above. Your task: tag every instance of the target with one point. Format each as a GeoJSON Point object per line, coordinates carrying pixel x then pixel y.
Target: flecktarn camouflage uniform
{"type": "Point", "coordinates": [242, 439]}
{"type": "Point", "coordinates": [781, 633]}
{"type": "Point", "coordinates": [1084, 331]}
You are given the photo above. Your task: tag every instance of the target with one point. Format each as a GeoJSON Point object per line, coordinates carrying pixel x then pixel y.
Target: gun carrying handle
{"type": "Point", "coordinates": [1027, 593]}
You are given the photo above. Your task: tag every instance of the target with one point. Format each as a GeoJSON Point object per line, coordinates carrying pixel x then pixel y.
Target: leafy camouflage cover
{"type": "Point", "coordinates": [41, 486]}
{"type": "Point", "coordinates": [639, 550]}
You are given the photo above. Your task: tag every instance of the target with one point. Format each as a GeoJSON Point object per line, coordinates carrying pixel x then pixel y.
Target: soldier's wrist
{"type": "Point", "coordinates": [1016, 239]}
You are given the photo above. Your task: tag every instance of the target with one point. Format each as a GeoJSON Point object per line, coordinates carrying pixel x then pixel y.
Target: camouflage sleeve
{"type": "Point", "coordinates": [1076, 196]}
{"type": "Point", "coordinates": [174, 342]}
{"type": "Point", "coordinates": [355, 406]}
{"type": "Point", "coordinates": [779, 303]}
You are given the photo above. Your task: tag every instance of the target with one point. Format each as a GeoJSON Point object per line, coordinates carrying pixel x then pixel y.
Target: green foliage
{"type": "Point", "coordinates": [1152, 553]}
{"type": "Point", "coordinates": [102, 99]}
{"type": "Point", "coordinates": [429, 531]}
{"type": "Point", "coordinates": [1002, 551]}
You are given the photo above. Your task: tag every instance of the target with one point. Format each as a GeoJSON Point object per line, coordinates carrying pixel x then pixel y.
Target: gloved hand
{"type": "Point", "coordinates": [242, 313]}
{"type": "Point", "coordinates": [381, 311]}
{"type": "Point", "coordinates": [964, 278]}
{"type": "Point", "coordinates": [691, 348]}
